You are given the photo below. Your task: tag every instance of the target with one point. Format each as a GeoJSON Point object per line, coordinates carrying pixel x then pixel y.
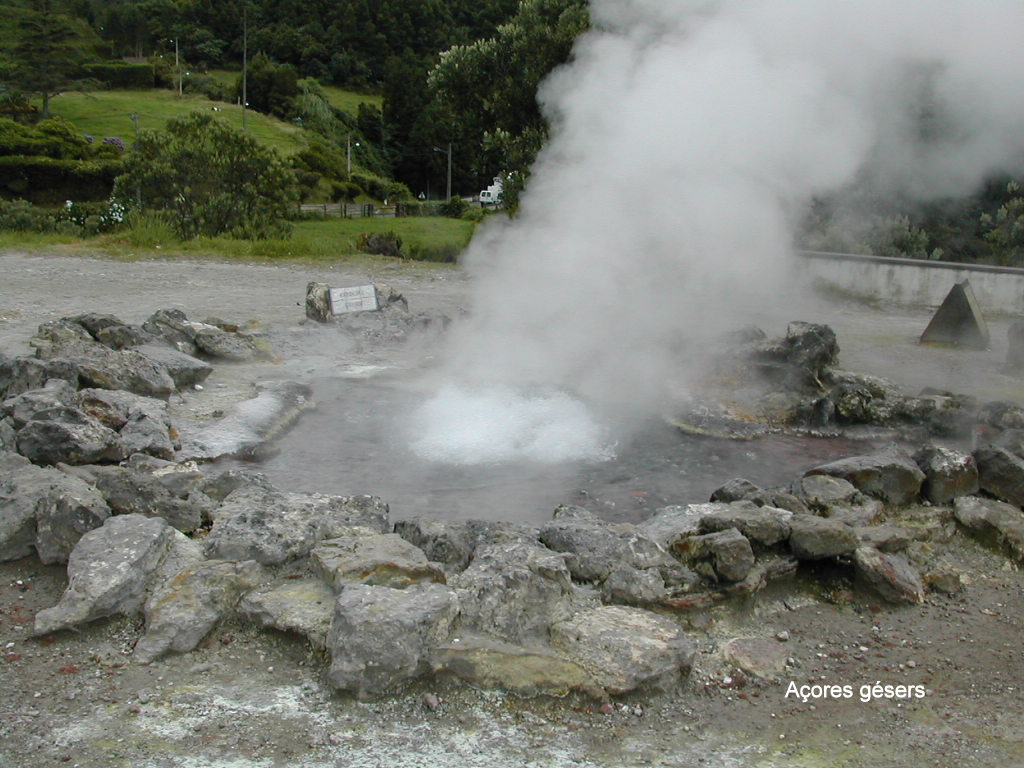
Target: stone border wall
{"type": "Point", "coordinates": [912, 282]}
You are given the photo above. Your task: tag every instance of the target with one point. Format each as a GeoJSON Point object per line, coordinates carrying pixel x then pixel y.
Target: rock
{"type": "Point", "coordinates": [800, 360]}
{"type": "Point", "coordinates": [624, 649]}
{"type": "Point", "coordinates": [180, 479]}
{"type": "Point", "coordinates": [453, 542]}
{"type": "Point", "coordinates": [729, 551]}
{"type": "Point", "coordinates": [597, 547]}
{"type": "Point", "coordinates": [865, 512]}
{"type": "Point", "coordinates": [382, 559]}
{"type": "Point", "coordinates": [762, 657]}
{"type": "Point", "coordinates": [992, 521]}
{"type": "Point", "coordinates": [249, 425]}
{"type": "Point", "coordinates": [53, 397]}
{"type": "Point", "coordinates": [235, 347]}
{"type": "Point", "coordinates": [66, 509]}
{"type": "Point", "coordinates": [8, 436]}
{"type": "Point", "coordinates": [821, 492]}
{"type": "Point", "coordinates": [816, 538]}
{"type": "Point", "coordinates": [110, 571]}
{"type": "Point", "coordinates": [104, 368]}
{"type": "Point", "coordinates": [185, 370]}
{"type": "Point", "coordinates": [891, 575]}
{"type": "Point", "coordinates": [17, 505]}
{"type": "Point", "coordinates": [1001, 473]}
{"type": "Point", "coordinates": [129, 492]}
{"type": "Point", "coordinates": [381, 637]}
{"type": "Point", "coordinates": [53, 338]}
{"type": "Point", "coordinates": [633, 586]}
{"type": "Point", "coordinates": [221, 485]}
{"type": "Point", "coordinates": [304, 606]}
{"type": "Point", "coordinates": [763, 526]}
{"type": "Point", "coordinates": [182, 612]}
{"type": "Point", "coordinates": [318, 302]}
{"type": "Point", "coordinates": [172, 325]}
{"type": "Point", "coordinates": [115, 408]}
{"type": "Point", "coordinates": [890, 475]}
{"type": "Point", "coordinates": [487, 663]}
{"type": "Point", "coordinates": [93, 322]}
{"type": "Point", "coordinates": [67, 435]}
{"type": "Point", "coordinates": [885, 538]}
{"type": "Point", "coordinates": [948, 474]}
{"type": "Point", "coordinates": [743, 490]}
{"type": "Point", "coordinates": [122, 336]}
{"type": "Point", "coordinates": [272, 527]}
{"type": "Point", "coordinates": [515, 591]}
{"type": "Point", "coordinates": [21, 374]}
{"type": "Point", "coordinates": [945, 578]}
{"type": "Point", "coordinates": [670, 524]}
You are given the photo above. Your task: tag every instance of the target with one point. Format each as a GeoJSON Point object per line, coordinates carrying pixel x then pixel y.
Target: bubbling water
{"type": "Point", "coordinates": [502, 425]}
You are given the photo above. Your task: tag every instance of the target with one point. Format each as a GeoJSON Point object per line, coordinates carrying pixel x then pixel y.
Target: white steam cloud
{"type": "Point", "coordinates": [687, 139]}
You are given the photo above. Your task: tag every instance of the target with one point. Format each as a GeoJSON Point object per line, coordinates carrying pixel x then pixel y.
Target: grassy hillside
{"type": "Point", "coordinates": [346, 101]}
{"type": "Point", "coordinates": [108, 113]}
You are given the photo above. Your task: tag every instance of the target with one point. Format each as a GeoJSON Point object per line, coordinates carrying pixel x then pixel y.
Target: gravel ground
{"type": "Point", "coordinates": [255, 699]}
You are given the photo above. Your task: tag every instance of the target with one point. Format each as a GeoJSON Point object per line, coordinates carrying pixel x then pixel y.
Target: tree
{"type": "Point", "coordinates": [210, 178]}
{"type": "Point", "coordinates": [489, 87]}
{"type": "Point", "coordinates": [45, 59]}
{"type": "Point", "coordinates": [270, 87]}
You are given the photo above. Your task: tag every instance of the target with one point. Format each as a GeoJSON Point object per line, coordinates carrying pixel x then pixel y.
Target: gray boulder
{"type": "Point", "coordinates": [381, 637]}
{"type": "Point", "coordinates": [671, 524]}
{"type": "Point", "coordinates": [182, 611]}
{"type": "Point", "coordinates": [184, 369]}
{"type": "Point", "coordinates": [110, 571]}
{"type": "Point", "coordinates": [18, 505]}
{"type": "Point", "coordinates": [728, 551]}
{"type": "Point", "coordinates": [453, 542]}
{"type": "Point", "coordinates": [821, 492]}
{"type": "Point", "coordinates": [8, 436]}
{"type": "Point", "coordinates": [378, 559]}
{"type": "Point", "coordinates": [596, 548]}
{"type": "Point", "coordinates": [1001, 473]}
{"type": "Point", "coordinates": [633, 586]}
{"type": "Point", "coordinates": [272, 527]}
{"type": "Point", "coordinates": [55, 396]}
{"type": "Point", "coordinates": [763, 657]}
{"type": "Point", "coordinates": [739, 489]}
{"type": "Point", "coordinates": [303, 606]}
{"type": "Point", "coordinates": [515, 590]}
{"type": "Point", "coordinates": [890, 475]}
{"type": "Point", "coordinates": [948, 474]}
{"type": "Point", "coordinates": [890, 575]}
{"type": "Point", "coordinates": [625, 649]}
{"type": "Point", "coordinates": [761, 525]}
{"type": "Point", "coordinates": [21, 374]}
{"type": "Point", "coordinates": [816, 538]}
{"type": "Point", "coordinates": [994, 522]}
{"type": "Point", "coordinates": [67, 435]}
{"type": "Point", "coordinates": [129, 492]}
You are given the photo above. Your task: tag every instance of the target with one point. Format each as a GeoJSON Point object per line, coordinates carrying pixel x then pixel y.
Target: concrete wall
{"type": "Point", "coordinates": [913, 282]}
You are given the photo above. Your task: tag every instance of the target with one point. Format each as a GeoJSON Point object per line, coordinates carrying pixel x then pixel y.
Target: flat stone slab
{"type": "Point", "coordinates": [383, 559]}
{"type": "Point", "coordinates": [816, 538]}
{"type": "Point", "coordinates": [304, 606]}
{"type": "Point", "coordinates": [890, 574]}
{"type": "Point", "coordinates": [763, 657]}
{"type": "Point", "coordinates": [625, 648]}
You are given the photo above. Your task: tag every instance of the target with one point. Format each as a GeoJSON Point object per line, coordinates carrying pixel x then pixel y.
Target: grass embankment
{"type": "Point", "coordinates": [346, 101]}
{"type": "Point", "coordinates": [108, 113]}
{"type": "Point", "coordinates": [311, 241]}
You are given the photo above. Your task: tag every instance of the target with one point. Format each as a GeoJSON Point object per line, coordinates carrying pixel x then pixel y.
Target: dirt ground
{"type": "Point", "coordinates": [256, 699]}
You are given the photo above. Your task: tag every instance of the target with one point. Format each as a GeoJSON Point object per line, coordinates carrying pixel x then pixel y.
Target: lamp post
{"type": "Point", "coordinates": [177, 65]}
{"type": "Point", "coordinates": [245, 61]}
{"type": "Point", "coordinates": [349, 153]}
{"type": "Point", "coordinates": [449, 150]}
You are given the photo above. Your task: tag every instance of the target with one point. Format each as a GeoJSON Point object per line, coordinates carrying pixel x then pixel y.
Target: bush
{"type": "Point", "coordinates": [446, 253]}
{"type": "Point", "coordinates": [22, 216]}
{"type": "Point", "coordinates": [211, 178]}
{"type": "Point", "coordinates": [380, 243]}
{"type": "Point", "coordinates": [49, 181]}
{"type": "Point", "coordinates": [454, 208]}
{"type": "Point", "coordinates": [207, 86]}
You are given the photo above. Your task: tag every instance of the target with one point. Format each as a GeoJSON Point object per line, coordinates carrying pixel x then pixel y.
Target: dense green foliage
{"type": "Point", "coordinates": [210, 179]}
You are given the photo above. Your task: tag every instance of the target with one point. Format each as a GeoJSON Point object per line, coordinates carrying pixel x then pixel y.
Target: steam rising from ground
{"type": "Point", "coordinates": [687, 139]}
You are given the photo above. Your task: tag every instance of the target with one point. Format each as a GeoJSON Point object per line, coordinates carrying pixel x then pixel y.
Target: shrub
{"type": "Point", "coordinates": [211, 178]}
{"type": "Point", "coordinates": [445, 253]}
{"type": "Point", "coordinates": [380, 243]}
{"type": "Point", "coordinates": [122, 74]}
{"type": "Point", "coordinates": [454, 208]}
{"type": "Point", "coordinates": [22, 216]}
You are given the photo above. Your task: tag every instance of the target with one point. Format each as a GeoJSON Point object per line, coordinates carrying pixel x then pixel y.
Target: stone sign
{"type": "Point", "coordinates": [359, 298]}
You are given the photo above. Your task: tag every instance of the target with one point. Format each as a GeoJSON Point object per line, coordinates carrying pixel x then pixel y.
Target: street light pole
{"type": "Point", "coordinates": [245, 60]}
{"type": "Point", "coordinates": [438, 149]}
{"type": "Point", "coordinates": [177, 65]}
{"type": "Point", "coordinates": [349, 153]}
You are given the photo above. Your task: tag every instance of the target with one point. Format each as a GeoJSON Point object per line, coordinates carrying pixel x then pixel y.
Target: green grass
{"type": "Point", "coordinates": [311, 241]}
{"type": "Point", "coordinates": [108, 113]}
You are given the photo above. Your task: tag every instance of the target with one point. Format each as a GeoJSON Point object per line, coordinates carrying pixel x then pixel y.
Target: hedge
{"type": "Point", "coordinates": [47, 181]}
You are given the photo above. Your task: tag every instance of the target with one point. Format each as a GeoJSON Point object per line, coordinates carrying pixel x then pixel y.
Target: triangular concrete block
{"type": "Point", "coordinates": [958, 320]}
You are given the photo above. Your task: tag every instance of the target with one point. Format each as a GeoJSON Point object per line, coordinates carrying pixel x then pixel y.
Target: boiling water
{"type": "Point", "coordinates": [503, 455]}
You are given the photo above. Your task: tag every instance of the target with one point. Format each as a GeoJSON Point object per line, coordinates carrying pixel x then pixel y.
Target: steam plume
{"type": "Point", "coordinates": [687, 138]}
